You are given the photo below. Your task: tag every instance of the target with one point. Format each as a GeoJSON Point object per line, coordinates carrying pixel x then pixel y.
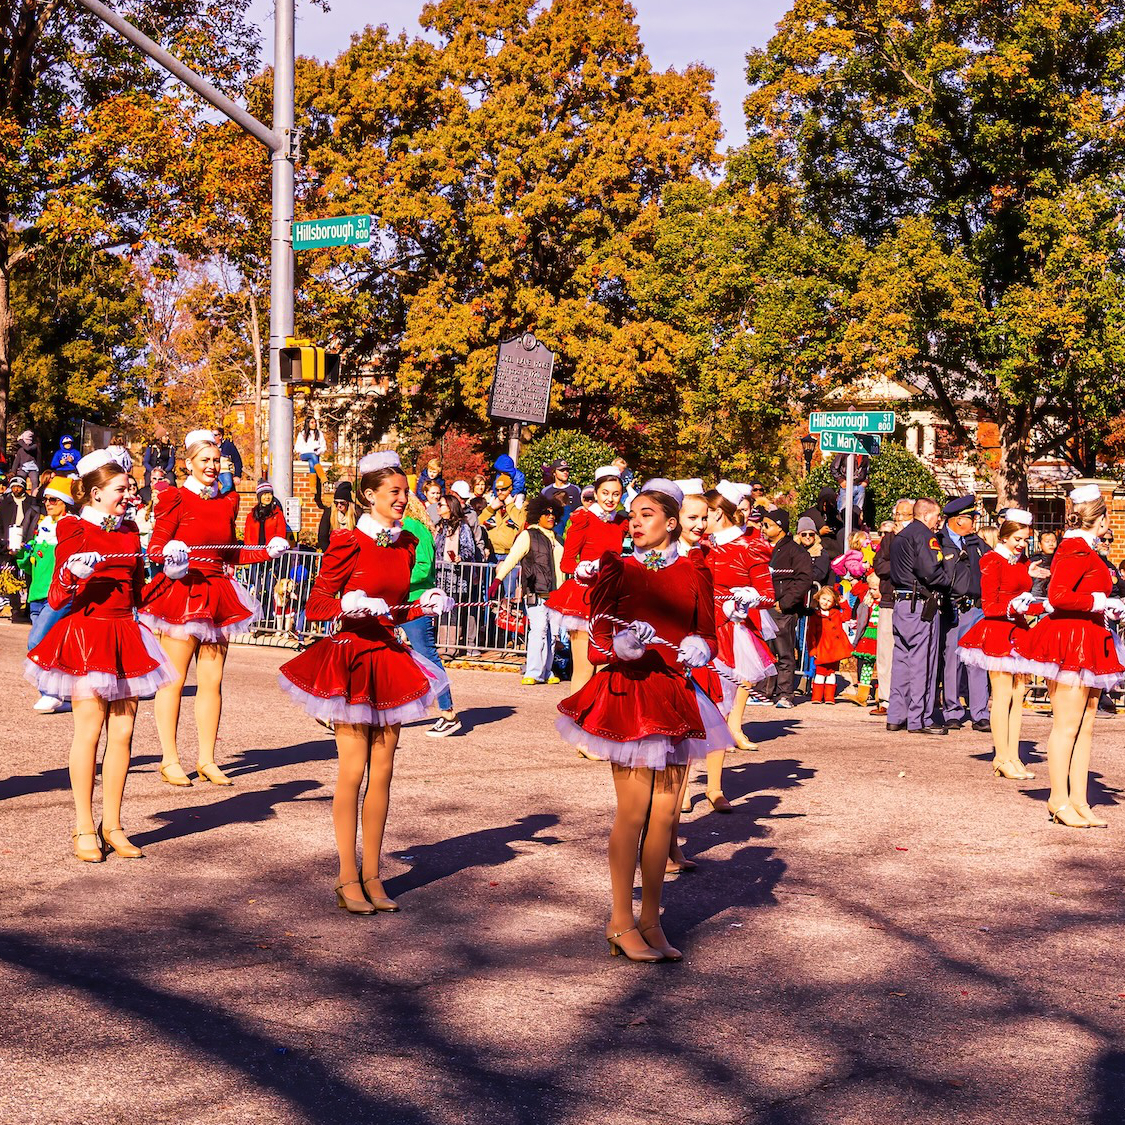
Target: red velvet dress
{"type": "Point", "coordinates": [991, 643]}
{"type": "Point", "coordinates": [743, 561]}
{"type": "Point", "coordinates": [363, 674]}
{"type": "Point", "coordinates": [207, 603]}
{"type": "Point", "coordinates": [1072, 645]}
{"type": "Point", "coordinates": [717, 688]}
{"type": "Point", "coordinates": [646, 713]}
{"type": "Point", "coordinates": [99, 649]}
{"type": "Point", "coordinates": [826, 639]}
{"type": "Point", "coordinates": [587, 538]}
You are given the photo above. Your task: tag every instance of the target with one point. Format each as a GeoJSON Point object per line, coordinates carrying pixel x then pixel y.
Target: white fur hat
{"type": "Point", "coordinates": [1019, 515]}
{"type": "Point", "coordinates": [729, 491]}
{"type": "Point", "coordinates": [1084, 493]}
{"type": "Point", "coordinates": [200, 435]}
{"type": "Point", "coordinates": [607, 471]}
{"type": "Point", "coordinates": [388, 459]}
{"type": "Point", "coordinates": [692, 487]}
{"type": "Point", "coordinates": [667, 487]}
{"type": "Point", "coordinates": [93, 461]}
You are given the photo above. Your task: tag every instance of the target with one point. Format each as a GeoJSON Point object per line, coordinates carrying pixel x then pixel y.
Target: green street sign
{"type": "Point", "coordinates": [347, 230]}
{"type": "Point", "coordinates": [831, 441]}
{"type": "Point", "coordinates": [853, 421]}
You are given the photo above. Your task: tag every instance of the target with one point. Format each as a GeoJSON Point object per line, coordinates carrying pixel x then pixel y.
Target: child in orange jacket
{"type": "Point", "coordinates": [827, 641]}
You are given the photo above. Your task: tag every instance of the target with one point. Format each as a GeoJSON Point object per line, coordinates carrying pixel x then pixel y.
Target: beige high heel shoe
{"type": "Point", "coordinates": [1087, 815]}
{"type": "Point", "coordinates": [648, 955]}
{"type": "Point", "coordinates": [208, 771]}
{"type": "Point", "coordinates": [182, 781]}
{"type": "Point", "coordinates": [663, 947]}
{"type": "Point", "coordinates": [88, 853]}
{"type": "Point", "coordinates": [1068, 817]}
{"type": "Point", "coordinates": [1013, 771]}
{"type": "Point", "coordinates": [380, 901]}
{"type": "Point", "coordinates": [352, 905]}
{"type": "Point", "coordinates": [126, 849]}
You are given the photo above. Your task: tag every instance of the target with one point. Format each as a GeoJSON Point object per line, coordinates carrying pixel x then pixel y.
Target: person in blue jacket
{"type": "Point", "coordinates": [504, 464]}
{"type": "Point", "coordinates": [66, 456]}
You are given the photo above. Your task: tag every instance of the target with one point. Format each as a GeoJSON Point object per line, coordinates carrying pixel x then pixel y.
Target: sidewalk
{"type": "Point", "coordinates": [881, 932]}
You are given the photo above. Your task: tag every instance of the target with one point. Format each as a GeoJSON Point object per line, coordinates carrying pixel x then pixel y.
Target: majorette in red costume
{"type": "Point", "coordinates": [1072, 644]}
{"type": "Point", "coordinates": [206, 603]}
{"type": "Point", "coordinates": [590, 534]}
{"type": "Point", "coordinates": [363, 674]}
{"type": "Point", "coordinates": [739, 560]}
{"type": "Point", "coordinates": [1005, 592]}
{"type": "Point", "coordinates": [99, 649]}
{"type": "Point", "coordinates": [645, 713]}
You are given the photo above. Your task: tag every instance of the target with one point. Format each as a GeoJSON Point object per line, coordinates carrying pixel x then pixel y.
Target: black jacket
{"type": "Point", "coordinates": [966, 563]}
{"type": "Point", "coordinates": [882, 567]}
{"type": "Point", "coordinates": [32, 514]}
{"type": "Point", "coordinates": [791, 568]}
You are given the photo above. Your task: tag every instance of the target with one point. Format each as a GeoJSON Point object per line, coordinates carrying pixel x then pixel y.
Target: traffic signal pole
{"type": "Point", "coordinates": [280, 140]}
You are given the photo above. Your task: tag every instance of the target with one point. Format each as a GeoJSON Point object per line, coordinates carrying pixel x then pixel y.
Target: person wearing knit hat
{"type": "Point", "coordinates": [338, 516]}
{"type": "Point", "coordinates": [26, 459]}
{"type": "Point", "coordinates": [37, 561]}
{"type": "Point", "coordinates": [266, 520]}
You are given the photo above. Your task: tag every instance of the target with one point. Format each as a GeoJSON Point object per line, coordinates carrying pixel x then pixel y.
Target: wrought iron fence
{"type": "Point", "coordinates": [477, 628]}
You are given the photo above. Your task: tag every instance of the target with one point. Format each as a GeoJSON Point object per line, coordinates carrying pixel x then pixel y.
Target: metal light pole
{"type": "Point", "coordinates": [280, 141]}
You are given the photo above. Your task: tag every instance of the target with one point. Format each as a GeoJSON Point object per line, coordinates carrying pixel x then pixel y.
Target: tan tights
{"type": "Point", "coordinates": [647, 801]}
{"type": "Point", "coordinates": [210, 659]}
{"type": "Point", "coordinates": [362, 750]}
{"type": "Point", "coordinates": [1005, 715]}
{"type": "Point", "coordinates": [1070, 743]}
{"type": "Point", "coordinates": [90, 716]}
{"type": "Point", "coordinates": [583, 670]}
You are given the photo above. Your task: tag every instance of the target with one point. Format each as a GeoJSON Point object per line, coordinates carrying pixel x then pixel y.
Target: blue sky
{"type": "Point", "coordinates": [715, 32]}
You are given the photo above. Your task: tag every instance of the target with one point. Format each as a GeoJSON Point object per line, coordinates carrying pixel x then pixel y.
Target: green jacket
{"type": "Point", "coordinates": [37, 560]}
{"type": "Point", "coordinates": [422, 576]}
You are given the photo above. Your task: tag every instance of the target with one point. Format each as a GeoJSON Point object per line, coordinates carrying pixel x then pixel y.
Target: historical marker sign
{"type": "Point", "coordinates": [347, 230]}
{"type": "Point", "coordinates": [521, 387]}
{"type": "Point", "coordinates": [853, 421]}
{"type": "Point", "coordinates": [832, 441]}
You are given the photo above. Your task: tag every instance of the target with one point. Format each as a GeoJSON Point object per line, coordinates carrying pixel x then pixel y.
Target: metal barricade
{"type": "Point", "coordinates": [476, 629]}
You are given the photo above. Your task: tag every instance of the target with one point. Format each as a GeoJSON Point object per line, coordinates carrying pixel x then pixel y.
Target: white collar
{"type": "Point", "coordinates": [598, 512]}
{"type": "Point", "coordinates": [1075, 533]}
{"type": "Point", "coordinates": [98, 519]}
{"type": "Point", "coordinates": [1004, 553]}
{"type": "Point", "coordinates": [728, 535]}
{"type": "Point", "coordinates": [373, 529]}
{"type": "Point", "coordinates": [192, 485]}
{"type": "Point", "coordinates": [659, 559]}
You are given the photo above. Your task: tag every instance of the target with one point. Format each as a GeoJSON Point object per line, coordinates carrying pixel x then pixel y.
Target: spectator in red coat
{"type": "Point", "coordinates": [266, 519]}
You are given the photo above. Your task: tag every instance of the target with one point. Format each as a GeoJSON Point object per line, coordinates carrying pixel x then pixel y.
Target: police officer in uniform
{"type": "Point", "coordinates": [961, 612]}
{"type": "Point", "coordinates": [922, 572]}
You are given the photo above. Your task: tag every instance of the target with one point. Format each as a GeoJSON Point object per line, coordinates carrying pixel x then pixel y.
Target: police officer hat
{"type": "Point", "coordinates": [962, 506]}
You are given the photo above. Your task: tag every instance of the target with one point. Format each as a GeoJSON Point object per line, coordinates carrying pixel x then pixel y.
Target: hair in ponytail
{"type": "Point", "coordinates": [1082, 517]}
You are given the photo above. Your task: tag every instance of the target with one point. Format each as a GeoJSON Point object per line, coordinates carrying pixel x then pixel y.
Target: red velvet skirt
{"type": "Point", "coordinates": [1072, 649]}
{"type": "Point", "coordinates": [569, 607]}
{"type": "Point", "coordinates": [211, 608]}
{"type": "Point", "coordinates": [362, 678]}
{"type": "Point", "coordinates": [83, 657]}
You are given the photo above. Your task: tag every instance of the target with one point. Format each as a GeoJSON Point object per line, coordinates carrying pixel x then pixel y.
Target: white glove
{"type": "Point", "coordinates": [584, 571]}
{"type": "Point", "coordinates": [645, 632]}
{"type": "Point", "coordinates": [747, 595]}
{"type": "Point", "coordinates": [628, 646]}
{"type": "Point", "coordinates": [436, 602]}
{"type": "Point", "coordinates": [276, 547]}
{"type": "Point", "coordinates": [82, 564]}
{"type": "Point", "coordinates": [1114, 609]}
{"type": "Point", "coordinates": [733, 610]}
{"type": "Point", "coordinates": [355, 603]}
{"type": "Point", "coordinates": [1021, 603]}
{"type": "Point", "coordinates": [694, 652]}
{"type": "Point", "coordinates": [1047, 607]}
{"type": "Point", "coordinates": [175, 559]}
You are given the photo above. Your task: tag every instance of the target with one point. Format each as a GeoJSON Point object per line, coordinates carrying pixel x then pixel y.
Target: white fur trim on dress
{"type": "Point", "coordinates": [567, 623]}
{"type": "Point", "coordinates": [336, 709]}
{"type": "Point", "coordinates": [658, 751]}
{"type": "Point", "coordinates": [103, 685]}
{"type": "Point", "coordinates": [203, 629]}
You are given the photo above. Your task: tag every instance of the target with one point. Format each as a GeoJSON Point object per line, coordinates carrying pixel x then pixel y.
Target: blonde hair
{"type": "Point", "coordinates": [1083, 516]}
{"type": "Point", "coordinates": [416, 510]}
{"type": "Point", "coordinates": [992, 535]}
{"type": "Point", "coordinates": [197, 447]}
{"type": "Point", "coordinates": [858, 540]}
{"type": "Point", "coordinates": [716, 500]}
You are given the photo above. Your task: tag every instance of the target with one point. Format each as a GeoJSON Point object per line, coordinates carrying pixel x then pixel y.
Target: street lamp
{"type": "Point", "coordinates": [808, 443]}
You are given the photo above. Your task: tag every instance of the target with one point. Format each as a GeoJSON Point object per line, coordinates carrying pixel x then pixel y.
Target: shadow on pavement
{"type": "Point", "coordinates": [53, 781]}
{"type": "Point", "coordinates": [254, 761]}
{"type": "Point", "coordinates": [488, 847]}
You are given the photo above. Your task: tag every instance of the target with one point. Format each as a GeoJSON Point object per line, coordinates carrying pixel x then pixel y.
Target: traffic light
{"type": "Point", "coordinates": [305, 364]}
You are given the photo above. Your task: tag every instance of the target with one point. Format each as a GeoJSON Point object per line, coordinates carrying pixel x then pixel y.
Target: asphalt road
{"type": "Point", "coordinates": [880, 932]}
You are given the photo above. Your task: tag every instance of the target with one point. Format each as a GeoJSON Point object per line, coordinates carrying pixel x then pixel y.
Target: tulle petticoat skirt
{"type": "Point", "coordinates": [753, 662]}
{"type": "Point", "coordinates": [1013, 663]}
{"type": "Point", "coordinates": [134, 676]}
{"type": "Point", "coordinates": [655, 752]}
